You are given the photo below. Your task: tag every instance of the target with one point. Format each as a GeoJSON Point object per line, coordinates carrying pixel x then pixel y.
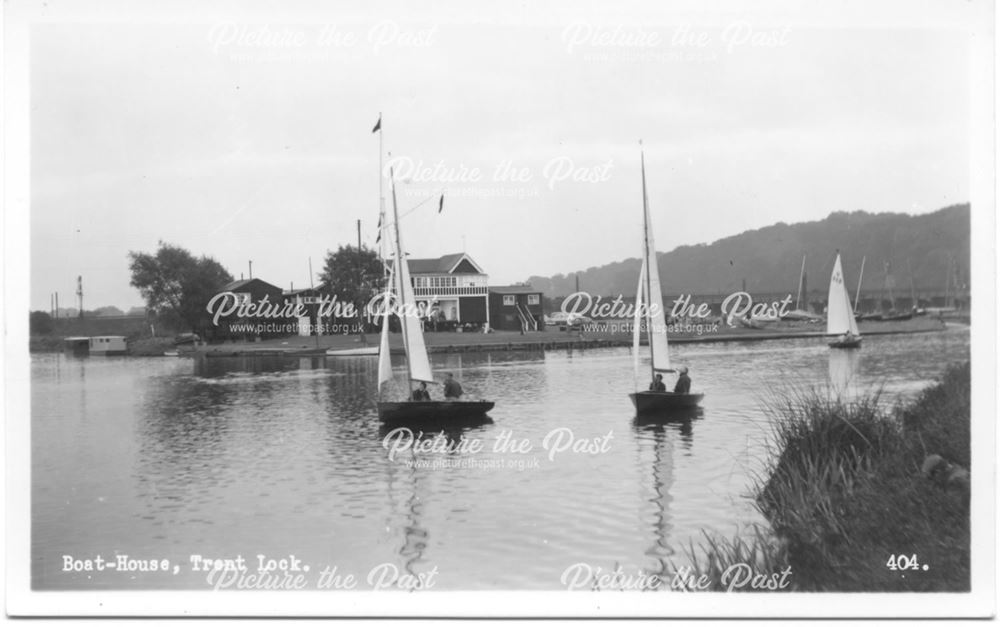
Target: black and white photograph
{"type": "Point", "coordinates": [467, 309]}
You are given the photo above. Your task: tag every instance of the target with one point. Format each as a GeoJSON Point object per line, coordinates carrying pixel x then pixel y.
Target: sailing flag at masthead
{"type": "Point", "coordinates": [378, 125]}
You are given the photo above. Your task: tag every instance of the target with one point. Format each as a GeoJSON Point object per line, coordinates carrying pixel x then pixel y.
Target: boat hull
{"type": "Point", "coordinates": [851, 343]}
{"type": "Point", "coordinates": [660, 402]}
{"type": "Point", "coordinates": [443, 412]}
{"type": "Point", "coordinates": [365, 351]}
{"type": "Point", "coordinates": [897, 317]}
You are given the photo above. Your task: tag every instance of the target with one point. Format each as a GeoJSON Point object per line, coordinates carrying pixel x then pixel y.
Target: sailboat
{"type": "Point", "coordinates": [417, 363]}
{"type": "Point", "coordinates": [872, 315]}
{"type": "Point", "coordinates": [649, 313]}
{"type": "Point", "coordinates": [800, 314]}
{"type": "Point", "coordinates": [839, 312]}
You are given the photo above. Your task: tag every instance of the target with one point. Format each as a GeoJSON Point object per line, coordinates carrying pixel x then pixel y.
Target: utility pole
{"type": "Point", "coordinates": [361, 324]}
{"type": "Point", "coordinates": [79, 292]}
{"type": "Point", "coordinates": [313, 287]}
{"type": "Point", "coordinates": [57, 305]}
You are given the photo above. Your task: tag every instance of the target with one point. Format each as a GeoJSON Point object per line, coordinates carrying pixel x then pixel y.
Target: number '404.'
{"type": "Point", "coordinates": [903, 562]}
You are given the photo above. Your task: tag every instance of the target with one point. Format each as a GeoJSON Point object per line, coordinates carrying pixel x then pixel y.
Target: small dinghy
{"type": "Point", "coordinates": [418, 365]}
{"type": "Point", "coordinates": [839, 313]}
{"type": "Point", "coordinates": [650, 314]}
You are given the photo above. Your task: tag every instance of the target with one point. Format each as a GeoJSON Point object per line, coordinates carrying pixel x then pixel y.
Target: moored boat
{"type": "Point", "coordinates": [77, 346]}
{"type": "Point", "coordinates": [361, 351]}
{"type": "Point", "coordinates": [799, 314]}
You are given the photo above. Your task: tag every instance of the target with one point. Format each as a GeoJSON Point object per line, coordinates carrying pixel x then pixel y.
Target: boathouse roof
{"type": "Point", "coordinates": [455, 263]}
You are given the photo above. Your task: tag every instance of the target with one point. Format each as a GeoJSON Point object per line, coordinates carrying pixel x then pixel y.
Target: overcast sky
{"type": "Point", "coordinates": [248, 135]}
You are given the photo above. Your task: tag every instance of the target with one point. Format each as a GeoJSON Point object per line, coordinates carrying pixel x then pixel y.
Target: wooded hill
{"type": "Point", "coordinates": [769, 259]}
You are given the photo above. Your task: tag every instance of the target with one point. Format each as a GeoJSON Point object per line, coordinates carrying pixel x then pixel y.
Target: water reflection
{"type": "Point", "coordinates": [844, 372]}
{"type": "Point", "coordinates": [657, 438]}
{"type": "Point", "coordinates": [273, 454]}
{"type": "Point", "coordinates": [415, 536]}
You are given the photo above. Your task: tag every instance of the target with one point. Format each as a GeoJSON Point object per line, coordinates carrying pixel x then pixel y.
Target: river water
{"type": "Point", "coordinates": [168, 458]}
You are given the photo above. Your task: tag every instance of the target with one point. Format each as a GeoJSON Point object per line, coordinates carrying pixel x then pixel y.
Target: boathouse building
{"type": "Point", "coordinates": [453, 290]}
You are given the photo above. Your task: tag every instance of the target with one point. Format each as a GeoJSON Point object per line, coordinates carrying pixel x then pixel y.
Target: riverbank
{"type": "Point", "coordinates": [598, 335]}
{"type": "Point", "coordinates": [856, 498]}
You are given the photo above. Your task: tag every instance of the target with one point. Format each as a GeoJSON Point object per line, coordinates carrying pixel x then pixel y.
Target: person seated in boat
{"type": "Point", "coordinates": [683, 381]}
{"type": "Point", "coordinates": [452, 388]}
{"type": "Point", "coordinates": [847, 337]}
{"type": "Point", "coordinates": [421, 393]}
{"type": "Point", "coordinates": [658, 385]}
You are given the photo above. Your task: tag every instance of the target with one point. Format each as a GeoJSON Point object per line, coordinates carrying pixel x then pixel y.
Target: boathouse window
{"type": "Point", "coordinates": [532, 299]}
{"type": "Point", "coordinates": [508, 301]}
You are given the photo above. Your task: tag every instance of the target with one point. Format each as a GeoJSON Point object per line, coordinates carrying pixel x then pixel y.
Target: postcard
{"type": "Point", "coordinates": [460, 309]}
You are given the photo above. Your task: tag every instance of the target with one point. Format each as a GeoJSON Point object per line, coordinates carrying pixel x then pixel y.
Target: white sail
{"type": "Point", "coordinates": [656, 320]}
{"type": "Point", "coordinates": [384, 358]}
{"type": "Point", "coordinates": [839, 312]}
{"type": "Point", "coordinates": [637, 322]}
{"type": "Point", "coordinates": [413, 334]}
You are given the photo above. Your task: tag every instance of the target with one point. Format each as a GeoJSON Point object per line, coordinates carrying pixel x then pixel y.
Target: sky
{"type": "Point", "coordinates": [244, 132]}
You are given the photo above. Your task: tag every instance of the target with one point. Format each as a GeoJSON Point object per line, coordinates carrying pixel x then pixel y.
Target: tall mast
{"type": "Point", "coordinates": [947, 283]}
{"type": "Point", "coordinates": [381, 192]}
{"type": "Point", "coordinates": [649, 260]}
{"type": "Point", "coordinates": [861, 276]}
{"type": "Point", "coordinates": [400, 259]}
{"type": "Point", "coordinates": [913, 288]}
{"type": "Point", "coordinates": [802, 272]}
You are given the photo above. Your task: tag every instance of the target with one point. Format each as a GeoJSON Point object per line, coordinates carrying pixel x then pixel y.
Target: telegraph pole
{"type": "Point", "coordinates": [316, 329]}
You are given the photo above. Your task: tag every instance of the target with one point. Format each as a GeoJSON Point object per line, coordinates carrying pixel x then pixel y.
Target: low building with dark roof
{"type": "Point", "coordinates": [256, 292]}
{"type": "Point", "coordinates": [516, 308]}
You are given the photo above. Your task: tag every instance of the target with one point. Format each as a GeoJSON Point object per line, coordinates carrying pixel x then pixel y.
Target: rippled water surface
{"type": "Point", "coordinates": [169, 457]}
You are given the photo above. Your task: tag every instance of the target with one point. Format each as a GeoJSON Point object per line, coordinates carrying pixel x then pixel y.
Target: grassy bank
{"type": "Point", "coordinates": [137, 347]}
{"type": "Point", "coordinates": [606, 334]}
{"type": "Point", "coordinates": [847, 491]}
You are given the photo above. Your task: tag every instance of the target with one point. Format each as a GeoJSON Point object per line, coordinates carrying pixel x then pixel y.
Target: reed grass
{"type": "Point", "coordinates": [844, 492]}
